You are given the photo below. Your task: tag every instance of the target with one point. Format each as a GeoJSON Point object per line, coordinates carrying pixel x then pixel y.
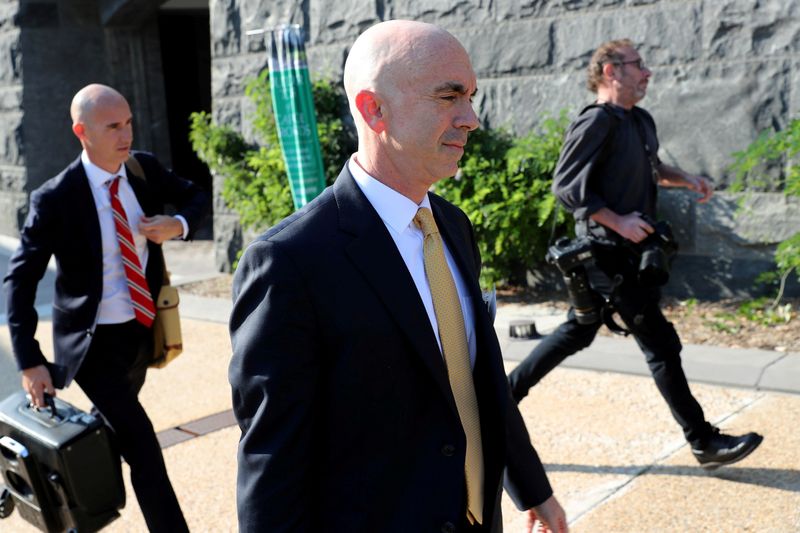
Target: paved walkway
{"type": "Point", "coordinates": [614, 455]}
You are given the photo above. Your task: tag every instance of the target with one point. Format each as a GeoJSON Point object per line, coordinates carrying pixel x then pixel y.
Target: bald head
{"type": "Point", "coordinates": [88, 99]}
{"type": "Point", "coordinates": [102, 122]}
{"type": "Point", "coordinates": [410, 87]}
{"type": "Point", "coordinates": [388, 56]}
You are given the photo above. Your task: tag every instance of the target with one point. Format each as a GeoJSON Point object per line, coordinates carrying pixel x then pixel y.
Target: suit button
{"type": "Point", "coordinates": [448, 527]}
{"type": "Point", "coordinates": [88, 333]}
{"type": "Point", "coordinates": [448, 450]}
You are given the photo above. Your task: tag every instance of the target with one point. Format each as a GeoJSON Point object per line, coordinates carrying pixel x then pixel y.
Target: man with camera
{"type": "Point", "coordinates": [607, 177]}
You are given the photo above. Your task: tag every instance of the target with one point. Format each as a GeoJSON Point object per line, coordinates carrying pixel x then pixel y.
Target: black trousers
{"type": "Point", "coordinates": [638, 307]}
{"type": "Point", "coordinates": [111, 375]}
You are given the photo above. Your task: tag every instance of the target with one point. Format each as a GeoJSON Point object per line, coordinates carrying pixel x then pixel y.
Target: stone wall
{"type": "Point", "coordinates": [12, 160]}
{"type": "Point", "coordinates": [723, 70]}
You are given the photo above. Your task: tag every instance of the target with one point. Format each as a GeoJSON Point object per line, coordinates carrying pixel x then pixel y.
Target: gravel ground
{"type": "Point", "coordinates": [719, 323]}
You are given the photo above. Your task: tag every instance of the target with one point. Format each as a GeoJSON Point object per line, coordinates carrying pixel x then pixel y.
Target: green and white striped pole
{"type": "Point", "coordinates": [293, 105]}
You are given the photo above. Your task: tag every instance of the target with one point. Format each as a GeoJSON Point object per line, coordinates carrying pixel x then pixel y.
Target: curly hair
{"type": "Point", "coordinates": [608, 52]}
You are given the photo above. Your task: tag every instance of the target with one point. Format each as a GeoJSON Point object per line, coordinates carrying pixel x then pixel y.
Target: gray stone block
{"type": "Point", "coordinates": [679, 208]}
{"type": "Point", "coordinates": [10, 57]}
{"type": "Point", "coordinates": [225, 27]}
{"type": "Point", "coordinates": [11, 98]}
{"type": "Point", "coordinates": [724, 230]}
{"type": "Point", "coordinates": [705, 112]}
{"type": "Point", "coordinates": [521, 9]}
{"type": "Point", "coordinates": [794, 96]}
{"type": "Point", "coordinates": [8, 13]}
{"type": "Point", "coordinates": [228, 112]}
{"type": "Point", "coordinates": [519, 48]}
{"type": "Point", "coordinates": [446, 13]}
{"type": "Point", "coordinates": [13, 209]}
{"type": "Point", "coordinates": [327, 61]}
{"type": "Point", "coordinates": [230, 76]}
{"type": "Point", "coordinates": [667, 35]}
{"type": "Point", "coordinates": [227, 241]}
{"type": "Point", "coordinates": [13, 179]}
{"type": "Point", "coordinates": [721, 276]}
{"type": "Point", "coordinates": [520, 103]}
{"type": "Point", "coordinates": [341, 21]}
{"type": "Point", "coordinates": [11, 138]}
{"type": "Point", "coordinates": [750, 28]}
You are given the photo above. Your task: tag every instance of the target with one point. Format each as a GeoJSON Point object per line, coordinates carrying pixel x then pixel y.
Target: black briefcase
{"type": "Point", "coordinates": [60, 466]}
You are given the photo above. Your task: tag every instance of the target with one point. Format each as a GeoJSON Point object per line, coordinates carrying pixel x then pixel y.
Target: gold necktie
{"type": "Point", "coordinates": [453, 336]}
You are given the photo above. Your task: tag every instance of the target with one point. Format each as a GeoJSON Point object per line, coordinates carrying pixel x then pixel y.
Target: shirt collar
{"type": "Point", "coordinates": [97, 176]}
{"type": "Point", "coordinates": [396, 211]}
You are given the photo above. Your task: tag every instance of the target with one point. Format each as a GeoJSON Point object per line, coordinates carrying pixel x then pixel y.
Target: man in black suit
{"type": "Point", "coordinates": [344, 382]}
{"type": "Point", "coordinates": [102, 313]}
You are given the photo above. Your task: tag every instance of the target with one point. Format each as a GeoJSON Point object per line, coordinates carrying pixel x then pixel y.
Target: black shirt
{"type": "Point", "coordinates": [604, 163]}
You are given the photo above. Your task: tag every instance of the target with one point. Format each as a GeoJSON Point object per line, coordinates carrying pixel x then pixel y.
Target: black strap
{"type": "Point", "coordinates": [650, 155]}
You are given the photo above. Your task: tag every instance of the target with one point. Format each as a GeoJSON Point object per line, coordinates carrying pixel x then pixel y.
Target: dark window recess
{"type": "Point", "coordinates": [186, 60]}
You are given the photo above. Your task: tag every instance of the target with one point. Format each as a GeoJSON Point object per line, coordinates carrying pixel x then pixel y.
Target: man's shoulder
{"type": "Point", "coordinates": [308, 223]}
{"type": "Point", "coordinates": [63, 181]}
{"type": "Point", "coordinates": [598, 115]}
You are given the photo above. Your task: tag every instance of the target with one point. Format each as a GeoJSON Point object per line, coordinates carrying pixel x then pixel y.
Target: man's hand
{"type": "Point", "coordinates": [36, 381]}
{"type": "Point", "coordinates": [550, 516]}
{"type": "Point", "coordinates": [701, 185]}
{"type": "Point", "coordinates": [631, 226]}
{"type": "Point", "coordinates": [160, 228]}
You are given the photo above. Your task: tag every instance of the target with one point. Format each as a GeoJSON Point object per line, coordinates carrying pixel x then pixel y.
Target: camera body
{"type": "Point", "coordinates": [656, 253]}
{"type": "Point", "coordinates": [571, 258]}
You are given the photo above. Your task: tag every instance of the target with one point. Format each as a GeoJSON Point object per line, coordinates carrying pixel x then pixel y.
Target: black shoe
{"type": "Point", "coordinates": [724, 449]}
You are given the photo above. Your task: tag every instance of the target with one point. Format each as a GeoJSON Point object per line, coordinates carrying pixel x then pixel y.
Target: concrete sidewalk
{"type": "Point", "coordinates": [614, 455]}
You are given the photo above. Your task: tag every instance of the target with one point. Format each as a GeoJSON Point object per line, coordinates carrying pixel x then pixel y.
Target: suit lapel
{"type": "Point", "coordinates": [86, 216]}
{"type": "Point", "coordinates": [375, 255]}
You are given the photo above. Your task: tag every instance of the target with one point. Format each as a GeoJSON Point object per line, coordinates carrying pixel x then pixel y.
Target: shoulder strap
{"type": "Point", "coordinates": [604, 151]}
{"type": "Point", "coordinates": [136, 167]}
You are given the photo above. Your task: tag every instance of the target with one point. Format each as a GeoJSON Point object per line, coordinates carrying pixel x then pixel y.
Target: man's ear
{"type": "Point", "coordinates": [79, 130]}
{"type": "Point", "coordinates": [369, 107]}
{"type": "Point", "coordinates": [608, 71]}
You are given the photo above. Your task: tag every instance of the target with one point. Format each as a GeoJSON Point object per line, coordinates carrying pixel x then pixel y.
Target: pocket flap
{"type": "Point", "coordinates": [167, 297]}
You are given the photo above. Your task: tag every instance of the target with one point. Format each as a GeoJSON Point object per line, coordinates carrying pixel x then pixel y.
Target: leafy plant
{"type": "Point", "coordinates": [782, 148]}
{"type": "Point", "coordinates": [504, 188]}
{"type": "Point", "coordinates": [761, 311]}
{"type": "Point", "coordinates": [255, 183]}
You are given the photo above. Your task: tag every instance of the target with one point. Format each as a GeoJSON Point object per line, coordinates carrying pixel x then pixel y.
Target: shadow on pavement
{"type": "Point", "coordinates": [776, 478]}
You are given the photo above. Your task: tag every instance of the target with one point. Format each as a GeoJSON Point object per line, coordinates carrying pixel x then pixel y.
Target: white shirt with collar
{"type": "Point", "coordinates": [397, 213]}
{"type": "Point", "coordinates": [115, 305]}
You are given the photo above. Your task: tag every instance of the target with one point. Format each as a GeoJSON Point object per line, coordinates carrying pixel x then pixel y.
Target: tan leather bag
{"type": "Point", "coordinates": [167, 336]}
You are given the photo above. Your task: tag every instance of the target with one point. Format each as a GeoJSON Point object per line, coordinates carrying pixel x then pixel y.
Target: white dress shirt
{"type": "Point", "coordinates": [397, 213]}
{"type": "Point", "coordinates": [115, 305]}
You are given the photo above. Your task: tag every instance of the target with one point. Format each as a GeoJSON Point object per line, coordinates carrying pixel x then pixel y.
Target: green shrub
{"type": "Point", "coordinates": [504, 188]}
{"type": "Point", "coordinates": [255, 183]}
{"type": "Point", "coordinates": [770, 148]}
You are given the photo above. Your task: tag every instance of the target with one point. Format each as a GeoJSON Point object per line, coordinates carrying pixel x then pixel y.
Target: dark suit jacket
{"type": "Point", "coordinates": [62, 222]}
{"type": "Point", "coordinates": [348, 420]}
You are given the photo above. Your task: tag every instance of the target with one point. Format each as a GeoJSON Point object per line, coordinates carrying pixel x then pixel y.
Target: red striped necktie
{"type": "Point", "coordinates": [142, 302]}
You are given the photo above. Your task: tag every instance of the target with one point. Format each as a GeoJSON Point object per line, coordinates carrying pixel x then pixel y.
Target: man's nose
{"type": "Point", "coordinates": [468, 119]}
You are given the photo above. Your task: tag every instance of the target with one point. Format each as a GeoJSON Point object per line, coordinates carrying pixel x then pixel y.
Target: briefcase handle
{"type": "Point", "coordinates": [48, 416]}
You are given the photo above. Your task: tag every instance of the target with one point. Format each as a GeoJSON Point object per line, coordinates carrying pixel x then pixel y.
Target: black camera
{"type": "Point", "coordinates": [571, 258]}
{"type": "Point", "coordinates": [656, 254]}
